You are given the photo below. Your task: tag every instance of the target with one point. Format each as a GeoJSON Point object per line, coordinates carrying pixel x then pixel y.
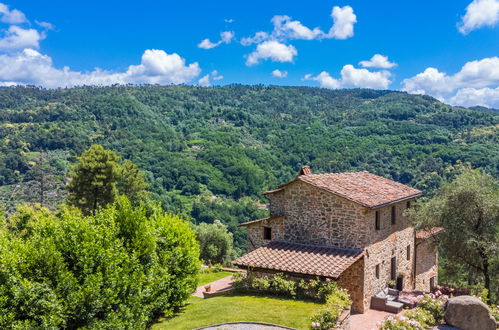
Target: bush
{"type": "Point", "coordinates": [434, 304]}
{"type": "Point", "coordinates": [421, 315]}
{"type": "Point", "coordinates": [400, 323]}
{"type": "Point", "coordinates": [327, 317]}
{"type": "Point", "coordinates": [117, 269]}
{"type": "Point", "coordinates": [282, 285]}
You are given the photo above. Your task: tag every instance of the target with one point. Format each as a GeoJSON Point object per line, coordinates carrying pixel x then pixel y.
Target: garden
{"type": "Point", "coordinates": [430, 309]}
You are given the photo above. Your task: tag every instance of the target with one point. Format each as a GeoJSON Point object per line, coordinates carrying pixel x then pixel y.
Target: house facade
{"type": "Point", "coordinates": [350, 227]}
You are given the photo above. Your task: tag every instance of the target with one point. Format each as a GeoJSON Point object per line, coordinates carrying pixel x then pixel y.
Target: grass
{"type": "Point", "coordinates": [203, 312]}
{"type": "Point", "coordinates": [208, 277]}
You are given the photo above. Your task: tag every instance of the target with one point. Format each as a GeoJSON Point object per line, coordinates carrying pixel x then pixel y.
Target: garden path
{"type": "Point", "coordinates": [369, 320]}
{"type": "Point", "coordinates": [215, 286]}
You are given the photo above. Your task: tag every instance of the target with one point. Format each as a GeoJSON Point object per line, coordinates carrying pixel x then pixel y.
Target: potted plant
{"type": "Point", "coordinates": [391, 284]}
{"type": "Point", "coordinates": [207, 288]}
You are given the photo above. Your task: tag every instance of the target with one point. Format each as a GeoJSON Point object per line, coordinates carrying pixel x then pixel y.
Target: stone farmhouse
{"type": "Point", "coordinates": [349, 227]}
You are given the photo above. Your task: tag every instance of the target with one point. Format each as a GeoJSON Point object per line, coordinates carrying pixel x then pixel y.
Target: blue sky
{"type": "Point", "coordinates": [448, 49]}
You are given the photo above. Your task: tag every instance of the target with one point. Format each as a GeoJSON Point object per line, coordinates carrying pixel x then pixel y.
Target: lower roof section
{"type": "Point", "coordinates": [301, 259]}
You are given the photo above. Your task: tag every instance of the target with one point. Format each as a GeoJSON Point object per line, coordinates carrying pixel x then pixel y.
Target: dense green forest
{"type": "Point", "coordinates": [208, 153]}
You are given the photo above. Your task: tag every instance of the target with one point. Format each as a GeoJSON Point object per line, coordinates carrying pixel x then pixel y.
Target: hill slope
{"type": "Point", "coordinates": [236, 141]}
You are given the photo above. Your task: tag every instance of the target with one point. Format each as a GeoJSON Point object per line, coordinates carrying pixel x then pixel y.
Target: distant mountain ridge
{"type": "Point", "coordinates": [237, 140]}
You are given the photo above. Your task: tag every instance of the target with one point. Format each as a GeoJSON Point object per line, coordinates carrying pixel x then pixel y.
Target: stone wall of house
{"type": "Point", "coordinates": [426, 265]}
{"type": "Point", "coordinates": [391, 240]}
{"type": "Point", "coordinates": [277, 201]}
{"type": "Point", "coordinates": [352, 280]}
{"type": "Point", "coordinates": [255, 232]}
{"type": "Point", "coordinates": [315, 216]}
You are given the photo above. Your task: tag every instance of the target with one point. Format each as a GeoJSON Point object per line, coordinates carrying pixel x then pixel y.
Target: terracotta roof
{"type": "Point", "coordinates": [301, 259]}
{"type": "Point", "coordinates": [360, 187]}
{"type": "Point", "coordinates": [257, 221]}
{"type": "Point", "coordinates": [424, 234]}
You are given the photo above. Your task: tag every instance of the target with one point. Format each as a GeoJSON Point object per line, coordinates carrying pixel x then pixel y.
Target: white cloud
{"type": "Point", "coordinates": [225, 37]}
{"type": "Point", "coordinates": [207, 44]}
{"type": "Point", "coordinates": [13, 16]}
{"type": "Point", "coordinates": [475, 79]}
{"type": "Point", "coordinates": [487, 97]}
{"type": "Point", "coordinates": [279, 74]}
{"type": "Point", "coordinates": [479, 13]}
{"type": "Point", "coordinates": [16, 38]}
{"type": "Point", "coordinates": [156, 67]}
{"type": "Point", "coordinates": [256, 39]}
{"type": "Point", "coordinates": [285, 28]}
{"type": "Point", "coordinates": [344, 20]}
{"type": "Point", "coordinates": [45, 25]}
{"type": "Point", "coordinates": [229, 20]}
{"type": "Point", "coordinates": [353, 77]}
{"type": "Point", "coordinates": [289, 29]}
{"type": "Point", "coordinates": [216, 76]}
{"type": "Point", "coordinates": [205, 80]}
{"type": "Point", "coordinates": [378, 61]}
{"type": "Point", "coordinates": [273, 50]}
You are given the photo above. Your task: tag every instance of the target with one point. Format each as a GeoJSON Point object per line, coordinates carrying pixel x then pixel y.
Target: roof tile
{"type": "Point", "coordinates": [360, 187]}
{"type": "Point", "coordinates": [301, 258]}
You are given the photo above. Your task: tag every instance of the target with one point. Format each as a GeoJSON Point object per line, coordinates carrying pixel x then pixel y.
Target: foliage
{"type": "Point", "coordinates": [282, 285]}
{"type": "Point", "coordinates": [215, 243]}
{"type": "Point", "coordinates": [93, 179]}
{"type": "Point", "coordinates": [98, 178]}
{"type": "Point", "coordinates": [327, 317]}
{"type": "Point", "coordinates": [131, 182]}
{"type": "Point", "coordinates": [237, 141]}
{"type": "Point", "coordinates": [116, 269]}
{"type": "Point", "coordinates": [422, 316]}
{"type": "Point", "coordinates": [434, 304]}
{"type": "Point", "coordinates": [468, 210]}
{"type": "Point", "coordinates": [401, 323]}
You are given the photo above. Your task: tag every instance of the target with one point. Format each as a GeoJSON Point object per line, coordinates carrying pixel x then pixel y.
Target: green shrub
{"type": "Point", "coordinates": [434, 305]}
{"type": "Point", "coordinates": [400, 323]}
{"type": "Point", "coordinates": [114, 270]}
{"type": "Point", "coordinates": [327, 317]}
{"type": "Point", "coordinates": [421, 315]}
{"type": "Point", "coordinates": [285, 286]}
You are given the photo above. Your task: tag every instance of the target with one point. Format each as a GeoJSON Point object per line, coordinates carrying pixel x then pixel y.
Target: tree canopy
{"type": "Point", "coordinates": [468, 209]}
{"type": "Point", "coordinates": [118, 268]}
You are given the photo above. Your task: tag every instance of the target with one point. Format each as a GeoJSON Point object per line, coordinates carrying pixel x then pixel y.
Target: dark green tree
{"type": "Point", "coordinates": [93, 179]}
{"type": "Point", "coordinates": [468, 209]}
{"type": "Point", "coordinates": [132, 182]}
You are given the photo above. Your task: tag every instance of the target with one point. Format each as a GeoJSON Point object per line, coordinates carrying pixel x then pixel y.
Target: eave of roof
{"type": "Point", "coordinates": [425, 234]}
{"type": "Point", "coordinates": [257, 221]}
{"type": "Point", "coordinates": [301, 259]}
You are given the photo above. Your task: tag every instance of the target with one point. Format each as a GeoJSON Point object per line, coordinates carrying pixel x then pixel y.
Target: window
{"type": "Point", "coordinates": [394, 215]}
{"type": "Point", "coordinates": [267, 233]}
{"type": "Point", "coordinates": [432, 283]}
{"type": "Point", "coordinates": [408, 252]}
{"type": "Point", "coordinates": [393, 269]}
{"type": "Point", "coordinates": [377, 271]}
{"type": "Point", "coordinates": [408, 205]}
{"type": "Point", "coordinates": [376, 221]}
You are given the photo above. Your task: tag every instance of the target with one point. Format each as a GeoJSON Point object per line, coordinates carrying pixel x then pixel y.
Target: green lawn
{"type": "Point", "coordinates": [203, 312]}
{"type": "Point", "coordinates": [205, 278]}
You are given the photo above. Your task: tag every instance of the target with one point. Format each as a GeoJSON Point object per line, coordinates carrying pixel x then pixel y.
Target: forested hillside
{"type": "Point", "coordinates": [210, 152]}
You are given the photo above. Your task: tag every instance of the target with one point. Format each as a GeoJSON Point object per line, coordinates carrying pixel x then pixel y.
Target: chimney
{"type": "Point", "coordinates": [305, 170]}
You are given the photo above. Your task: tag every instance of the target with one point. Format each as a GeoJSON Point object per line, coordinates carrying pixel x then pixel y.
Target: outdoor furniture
{"type": "Point", "coordinates": [407, 302]}
{"type": "Point", "coordinates": [386, 300]}
{"type": "Point", "coordinates": [394, 307]}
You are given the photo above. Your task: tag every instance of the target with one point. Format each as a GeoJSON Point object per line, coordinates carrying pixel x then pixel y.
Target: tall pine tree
{"type": "Point", "coordinates": [93, 179]}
